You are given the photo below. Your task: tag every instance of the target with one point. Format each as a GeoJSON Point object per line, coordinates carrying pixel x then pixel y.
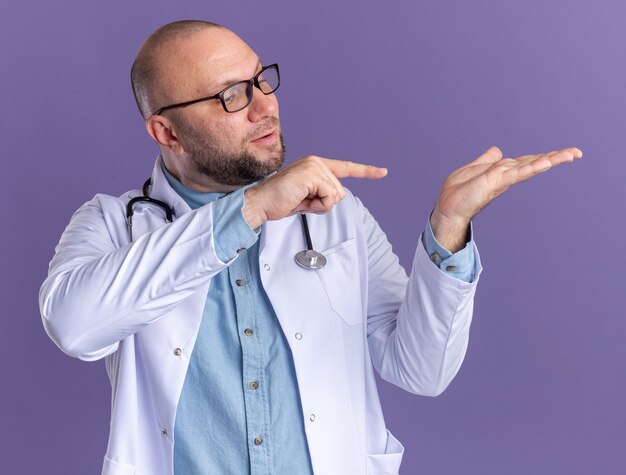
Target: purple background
{"type": "Point", "coordinates": [420, 87]}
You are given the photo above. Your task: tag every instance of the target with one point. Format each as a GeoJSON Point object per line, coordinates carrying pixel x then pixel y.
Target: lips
{"type": "Point", "coordinates": [266, 137]}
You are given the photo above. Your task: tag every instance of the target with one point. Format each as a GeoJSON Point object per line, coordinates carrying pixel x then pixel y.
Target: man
{"type": "Point", "coordinates": [224, 354]}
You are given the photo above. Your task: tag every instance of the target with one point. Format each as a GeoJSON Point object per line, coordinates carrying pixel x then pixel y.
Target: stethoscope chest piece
{"type": "Point", "coordinates": [310, 259]}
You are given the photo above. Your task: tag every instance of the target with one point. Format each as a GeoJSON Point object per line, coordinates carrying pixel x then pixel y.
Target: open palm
{"type": "Point", "coordinates": [472, 187]}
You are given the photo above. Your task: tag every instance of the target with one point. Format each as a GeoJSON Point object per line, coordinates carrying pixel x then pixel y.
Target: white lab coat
{"type": "Point", "coordinates": [139, 306]}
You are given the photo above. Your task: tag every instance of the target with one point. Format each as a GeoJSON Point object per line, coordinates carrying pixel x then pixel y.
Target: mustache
{"type": "Point", "coordinates": [264, 128]}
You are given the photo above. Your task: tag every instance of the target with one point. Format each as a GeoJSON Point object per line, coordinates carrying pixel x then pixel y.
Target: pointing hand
{"type": "Point", "coordinates": [309, 185]}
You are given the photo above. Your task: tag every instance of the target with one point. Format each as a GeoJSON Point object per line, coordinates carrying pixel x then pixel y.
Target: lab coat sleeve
{"type": "Point", "coordinates": [101, 289]}
{"type": "Point", "coordinates": [418, 328]}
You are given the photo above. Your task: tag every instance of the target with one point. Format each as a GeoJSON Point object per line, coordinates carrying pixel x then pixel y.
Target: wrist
{"type": "Point", "coordinates": [451, 233]}
{"type": "Point", "coordinates": [251, 211]}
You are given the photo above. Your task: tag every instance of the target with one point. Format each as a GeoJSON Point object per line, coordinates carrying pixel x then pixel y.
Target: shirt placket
{"type": "Point", "coordinates": [254, 387]}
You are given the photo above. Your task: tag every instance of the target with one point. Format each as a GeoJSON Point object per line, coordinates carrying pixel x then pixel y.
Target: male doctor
{"type": "Point", "coordinates": [225, 355]}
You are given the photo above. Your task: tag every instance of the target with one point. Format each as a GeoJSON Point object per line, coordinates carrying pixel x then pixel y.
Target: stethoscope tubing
{"type": "Point", "coordinates": [308, 258]}
{"type": "Point", "coordinates": [145, 199]}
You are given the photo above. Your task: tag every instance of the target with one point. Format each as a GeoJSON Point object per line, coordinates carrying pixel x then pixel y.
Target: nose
{"type": "Point", "coordinates": [262, 106]}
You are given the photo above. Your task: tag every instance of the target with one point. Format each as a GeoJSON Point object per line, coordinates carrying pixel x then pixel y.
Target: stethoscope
{"type": "Point", "coordinates": [145, 199]}
{"type": "Point", "coordinates": [308, 258]}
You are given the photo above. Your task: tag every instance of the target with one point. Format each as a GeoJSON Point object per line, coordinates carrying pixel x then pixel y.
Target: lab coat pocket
{"type": "Point", "coordinates": [389, 462]}
{"type": "Point", "coordinates": [111, 467]}
{"type": "Point", "coordinates": [341, 282]}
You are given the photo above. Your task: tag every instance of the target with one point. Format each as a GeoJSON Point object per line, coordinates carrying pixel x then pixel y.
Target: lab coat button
{"type": "Point", "coordinates": [298, 336]}
{"type": "Point", "coordinates": [254, 384]}
{"type": "Point", "coordinates": [248, 332]}
{"type": "Point", "coordinates": [164, 432]}
{"type": "Point", "coordinates": [312, 417]}
{"type": "Point", "coordinates": [177, 351]}
{"type": "Point", "coordinates": [258, 440]}
{"type": "Point", "coordinates": [266, 267]}
{"type": "Point", "coordinates": [240, 282]}
{"type": "Point", "coordinates": [451, 268]}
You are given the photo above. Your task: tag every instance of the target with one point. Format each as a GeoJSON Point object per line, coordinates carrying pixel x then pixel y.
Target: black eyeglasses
{"type": "Point", "coordinates": [239, 95]}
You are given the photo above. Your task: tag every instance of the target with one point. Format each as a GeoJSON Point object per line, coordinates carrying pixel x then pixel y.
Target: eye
{"type": "Point", "coordinates": [234, 93]}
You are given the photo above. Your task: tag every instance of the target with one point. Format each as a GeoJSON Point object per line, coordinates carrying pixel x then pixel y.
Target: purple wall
{"type": "Point", "coordinates": [420, 87]}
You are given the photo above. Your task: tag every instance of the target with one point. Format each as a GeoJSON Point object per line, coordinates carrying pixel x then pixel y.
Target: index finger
{"type": "Point", "coordinates": [345, 169]}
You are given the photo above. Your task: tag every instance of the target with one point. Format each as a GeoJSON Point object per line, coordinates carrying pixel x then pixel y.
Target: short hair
{"type": "Point", "coordinates": [144, 72]}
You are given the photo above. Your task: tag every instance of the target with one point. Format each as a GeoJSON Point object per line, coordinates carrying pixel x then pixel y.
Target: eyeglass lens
{"type": "Point", "coordinates": [239, 95]}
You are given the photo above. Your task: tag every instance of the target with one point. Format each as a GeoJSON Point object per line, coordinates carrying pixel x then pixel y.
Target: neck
{"type": "Point", "coordinates": [194, 181]}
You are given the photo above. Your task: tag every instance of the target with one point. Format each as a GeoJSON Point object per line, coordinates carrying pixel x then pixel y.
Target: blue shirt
{"type": "Point", "coordinates": [239, 411]}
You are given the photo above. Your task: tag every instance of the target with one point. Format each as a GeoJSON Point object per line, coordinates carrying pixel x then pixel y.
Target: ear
{"type": "Point", "coordinates": [162, 131]}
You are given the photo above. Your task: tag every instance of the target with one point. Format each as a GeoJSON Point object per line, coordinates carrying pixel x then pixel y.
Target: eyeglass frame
{"type": "Point", "coordinates": [220, 95]}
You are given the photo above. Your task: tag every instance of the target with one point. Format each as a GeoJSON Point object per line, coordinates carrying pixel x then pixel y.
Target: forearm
{"type": "Point", "coordinates": [427, 344]}
{"type": "Point", "coordinates": [417, 327]}
{"type": "Point", "coordinates": [97, 294]}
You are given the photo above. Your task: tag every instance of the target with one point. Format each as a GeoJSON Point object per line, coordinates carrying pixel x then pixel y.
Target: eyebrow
{"type": "Point", "coordinates": [226, 83]}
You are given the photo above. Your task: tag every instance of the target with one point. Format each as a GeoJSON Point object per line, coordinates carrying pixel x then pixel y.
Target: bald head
{"type": "Point", "coordinates": [184, 69]}
{"type": "Point", "coordinates": [149, 75]}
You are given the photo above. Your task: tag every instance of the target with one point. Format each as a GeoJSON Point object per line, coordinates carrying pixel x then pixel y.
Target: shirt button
{"type": "Point", "coordinates": [435, 257]}
{"type": "Point", "coordinates": [241, 250]}
{"type": "Point", "coordinates": [451, 268]}
{"type": "Point", "coordinates": [266, 267]}
{"type": "Point", "coordinates": [258, 440]}
{"type": "Point", "coordinates": [177, 351]}
{"type": "Point", "coordinates": [254, 384]}
{"type": "Point", "coordinates": [248, 332]}
{"type": "Point", "coordinates": [240, 282]}
{"type": "Point", "coordinates": [298, 336]}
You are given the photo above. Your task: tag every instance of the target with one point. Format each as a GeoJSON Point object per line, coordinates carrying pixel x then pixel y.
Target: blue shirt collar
{"type": "Point", "coordinates": [195, 199]}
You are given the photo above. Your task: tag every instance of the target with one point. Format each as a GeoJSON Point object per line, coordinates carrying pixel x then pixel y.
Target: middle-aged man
{"type": "Point", "coordinates": [225, 355]}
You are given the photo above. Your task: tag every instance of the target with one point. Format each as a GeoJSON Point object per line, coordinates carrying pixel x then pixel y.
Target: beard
{"type": "Point", "coordinates": [230, 168]}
